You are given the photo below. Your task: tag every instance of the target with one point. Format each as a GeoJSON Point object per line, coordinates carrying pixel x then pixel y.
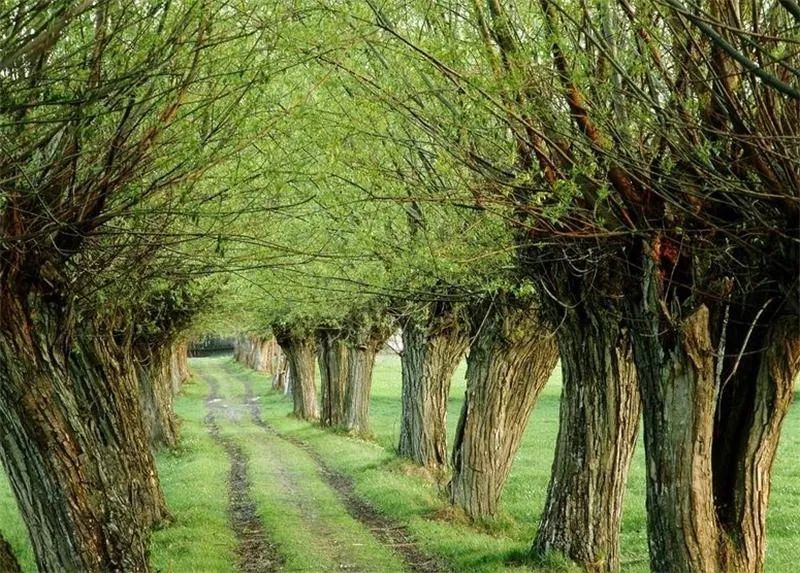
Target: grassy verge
{"type": "Point", "coordinates": [13, 528]}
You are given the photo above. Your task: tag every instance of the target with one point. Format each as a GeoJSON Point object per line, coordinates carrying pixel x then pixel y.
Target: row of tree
{"type": "Point", "coordinates": [633, 172]}
{"type": "Point", "coordinates": [615, 183]}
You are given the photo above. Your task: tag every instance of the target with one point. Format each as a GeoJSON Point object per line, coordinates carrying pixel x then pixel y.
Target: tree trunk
{"type": "Point", "coordinates": [73, 442]}
{"type": "Point", "coordinates": [280, 374]}
{"type": "Point", "coordinates": [431, 353]}
{"type": "Point", "coordinates": [240, 348]}
{"type": "Point", "coordinates": [711, 429]}
{"type": "Point", "coordinates": [299, 350]}
{"type": "Point", "coordinates": [179, 365]}
{"type": "Point", "coordinates": [510, 360]}
{"type": "Point", "coordinates": [269, 355]}
{"type": "Point", "coordinates": [332, 354]}
{"type": "Point", "coordinates": [362, 349]}
{"type": "Point", "coordinates": [156, 395]}
{"type": "Point", "coordinates": [8, 561]}
{"type": "Point", "coordinates": [598, 424]}
{"type": "Point", "coordinates": [754, 399]}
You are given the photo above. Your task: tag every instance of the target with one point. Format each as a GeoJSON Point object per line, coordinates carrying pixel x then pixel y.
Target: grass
{"type": "Point", "coordinates": [305, 519]}
{"type": "Point", "coordinates": [194, 481]}
{"type": "Point", "coordinates": [194, 478]}
{"type": "Point", "coordinates": [400, 490]}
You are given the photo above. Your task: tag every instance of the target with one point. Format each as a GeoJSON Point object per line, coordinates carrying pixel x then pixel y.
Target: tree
{"type": "Point", "coordinates": [433, 346]}
{"type": "Point", "coordinates": [99, 102]}
{"type": "Point", "coordinates": [509, 361]}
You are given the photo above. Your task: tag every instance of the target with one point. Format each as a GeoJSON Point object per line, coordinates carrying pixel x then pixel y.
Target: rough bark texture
{"type": "Point", "coordinates": [360, 363]}
{"type": "Point", "coordinates": [260, 353]}
{"type": "Point", "coordinates": [332, 354]}
{"type": "Point", "coordinates": [156, 394]}
{"type": "Point", "coordinates": [511, 358]}
{"type": "Point", "coordinates": [179, 365]}
{"type": "Point", "coordinates": [281, 374]}
{"type": "Point", "coordinates": [8, 561]}
{"type": "Point", "coordinates": [598, 424]}
{"type": "Point", "coordinates": [432, 349]}
{"type": "Point", "coordinates": [711, 430]}
{"type": "Point", "coordinates": [751, 409]}
{"type": "Point", "coordinates": [299, 349]}
{"type": "Point", "coordinates": [363, 345]}
{"type": "Point", "coordinates": [73, 443]}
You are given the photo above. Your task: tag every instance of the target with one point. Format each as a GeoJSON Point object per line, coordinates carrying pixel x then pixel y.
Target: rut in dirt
{"type": "Point", "coordinates": [387, 531]}
{"type": "Point", "coordinates": [254, 551]}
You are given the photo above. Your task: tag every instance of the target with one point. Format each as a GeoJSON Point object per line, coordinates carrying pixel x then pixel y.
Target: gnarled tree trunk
{"type": "Point", "coordinates": [299, 348]}
{"type": "Point", "coordinates": [598, 424]}
{"type": "Point", "coordinates": [332, 354]}
{"type": "Point", "coordinates": [156, 394]}
{"type": "Point", "coordinates": [711, 428]}
{"type": "Point", "coordinates": [511, 358]}
{"type": "Point", "coordinates": [432, 349]}
{"type": "Point", "coordinates": [73, 442]}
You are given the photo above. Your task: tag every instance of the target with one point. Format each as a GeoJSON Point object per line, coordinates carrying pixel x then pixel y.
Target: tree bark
{"type": "Point", "coordinates": [8, 561]}
{"type": "Point", "coordinates": [432, 350]}
{"type": "Point", "coordinates": [332, 354]}
{"type": "Point", "coordinates": [73, 442]}
{"type": "Point", "coordinates": [598, 424]}
{"type": "Point", "coordinates": [752, 405]}
{"type": "Point", "coordinates": [156, 394]}
{"type": "Point", "coordinates": [363, 346]}
{"type": "Point", "coordinates": [299, 349]}
{"type": "Point", "coordinates": [711, 429]}
{"type": "Point", "coordinates": [179, 365]}
{"type": "Point", "coordinates": [510, 360]}
{"type": "Point", "coordinates": [280, 374]}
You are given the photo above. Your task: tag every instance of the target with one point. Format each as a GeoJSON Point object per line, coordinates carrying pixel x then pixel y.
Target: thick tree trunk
{"type": "Point", "coordinates": [332, 354]}
{"type": "Point", "coordinates": [431, 352]}
{"type": "Point", "coordinates": [280, 374]}
{"type": "Point", "coordinates": [270, 355]}
{"type": "Point", "coordinates": [598, 424]}
{"type": "Point", "coordinates": [156, 394]}
{"type": "Point", "coordinates": [754, 399]}
{"type": "Point", "coordinates": [179, 365]}
{"type": "Point", "coordinates": [711, 429]}
{"type": "Point", "coordinates": [360, 363]}
{"type": "Point", "coordinates": [240, 348]}
{"type": "Point", "coordinates": [8, 561]}
{"type": "Point", "coordinates": [363, 345]}
{"type": "Point", "coordinates": [510, 360]}
{"type": "Point", "coordinates": [73, 443]}
{"type": "Point", "coordinates": [300, 350]}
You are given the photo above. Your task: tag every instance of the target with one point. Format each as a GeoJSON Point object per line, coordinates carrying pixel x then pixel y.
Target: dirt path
{"type": "Point", "coordinates": [256, 554]}
{"type": "Point", "coordinates": [387, 531]}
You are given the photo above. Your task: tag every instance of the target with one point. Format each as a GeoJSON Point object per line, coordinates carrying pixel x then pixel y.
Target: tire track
{"type": "Point", "coordinates": [390, 533]}
{"type": "Point", "coordinates": [255, 552]}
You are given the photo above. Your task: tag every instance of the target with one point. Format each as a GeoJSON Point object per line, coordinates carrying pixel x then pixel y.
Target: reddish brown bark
{"type": "Point", "coordinates": [73, 443]}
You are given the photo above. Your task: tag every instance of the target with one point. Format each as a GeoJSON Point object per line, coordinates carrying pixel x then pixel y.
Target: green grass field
{"type": "Point", "coordinates": [287, 489]}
